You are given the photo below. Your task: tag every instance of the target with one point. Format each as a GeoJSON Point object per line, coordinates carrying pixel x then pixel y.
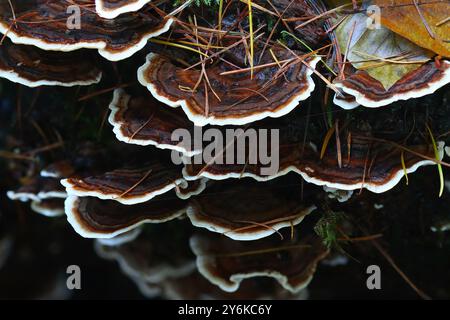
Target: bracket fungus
{"type": "Point", "coordinates": [129, 185]}
{"type": "Point", "coordinates": [38, 189]}
{"type": "Point", "coordinates": [226, 263]}
{"type": "Point", "coordinates": [239, 99]}
{"type": "Point", "coordinates": [371, 93]}
{"type": "Point", "coordinates": [143, 120]}
{"type": "Point", "coordinates": [106, 219]}
{"type": "Point", "coordinates": [373, 165]}
{"type": "Point", "coordinates": [223, 141]}
{"type": "Point", "coordinates": [118, 39]}
{"type": "Point", "coordinates": [34, 67]}
{"type": "Point", "coordinates": [248, 210]}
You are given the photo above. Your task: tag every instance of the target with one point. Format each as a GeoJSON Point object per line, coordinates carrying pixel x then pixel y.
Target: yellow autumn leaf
{"type": "Point", "coordinates": [423, 22]}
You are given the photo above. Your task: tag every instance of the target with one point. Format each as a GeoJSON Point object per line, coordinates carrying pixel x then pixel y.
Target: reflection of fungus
{"type": "Point", "coordinates": [226, 262]}
{"type": "Point", "coordinates": [152, 257]}
{"type": "Point", "coordinates": [247, 210]}
{"type": "Point", "coordinates": [242, 100]}
{"type": "Point", "coordinates": [145, 121]}
{"type": "Point", "coordinates": [195, 287]}
{"type": "Point", "coordinates": [369, 92]}
{"type": "Point", "coordinates": [34, 67]}
{"type": "Point", "coordinates": [95, 218]}
{"type": "Point", "coordinates": [114, 39]}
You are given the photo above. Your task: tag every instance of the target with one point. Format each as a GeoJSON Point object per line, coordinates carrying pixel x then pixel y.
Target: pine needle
{"type": "Point", "coordinates": [252, 49]}
{"type": "Point", "coordinates": [402, 158]}
{"type": "Point", "coordinates": [436, 153]}
{"type": "Point", "coordinates": [167, 43]}
{"type": "Point", "coordinates": [326, 140]}
{"type": "Point", "coordinates": [309, 48]}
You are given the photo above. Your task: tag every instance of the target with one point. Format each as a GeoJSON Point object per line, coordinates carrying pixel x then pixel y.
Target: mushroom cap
{"type": "Point", "coordinates": [370, 93]}
{"type": "Point", "coordinates": [242, 100]}
{"type": "Point", "coordinates": [247, 209]}
{"type": "Point", "coordinates": [143, 120]}
{"type": "Point", "coordinates": [385, 172]}
{"type": "Point", "coordinates": [110, 9]}
{"type": "Point", "coordinates": [129, 185]}
{"type": "Point", "coordinates": [95, 218]}
{"type": "Point", "coordinates": [114, 39]}
{"type": "Point", "coordinates": [226, 263]}
{"type": "Point", "coordinates": [34, 67]}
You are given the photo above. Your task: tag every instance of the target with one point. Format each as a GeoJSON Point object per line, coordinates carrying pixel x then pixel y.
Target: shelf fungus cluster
{"type": "Point", "coordinates": [203, 100]}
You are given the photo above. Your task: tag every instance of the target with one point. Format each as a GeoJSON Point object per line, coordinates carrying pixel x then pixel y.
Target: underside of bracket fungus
{"type": "Point", "coordinates": [226, 263]}
{"type": "Point", "coordinates": [385, 67]}
{"type": "Point", "coordinates": [240, 99]}
{"type": "Point", "coordinates": [375, 166]}
{"type": "Point", "coordinates": [143, 120]}
{"type": "Point", "coordinates": [34, 67]}
{"type": "Point", "coordinates": [45, 24]}
{"type": "Point", "coordinates": [111, 9]}
{"type": "Point", "coordinates": [130, 185]}
{"type": "Point", "coordinates": [95, 218]}
{"type": "Point", "coordinates": [248, 210]}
